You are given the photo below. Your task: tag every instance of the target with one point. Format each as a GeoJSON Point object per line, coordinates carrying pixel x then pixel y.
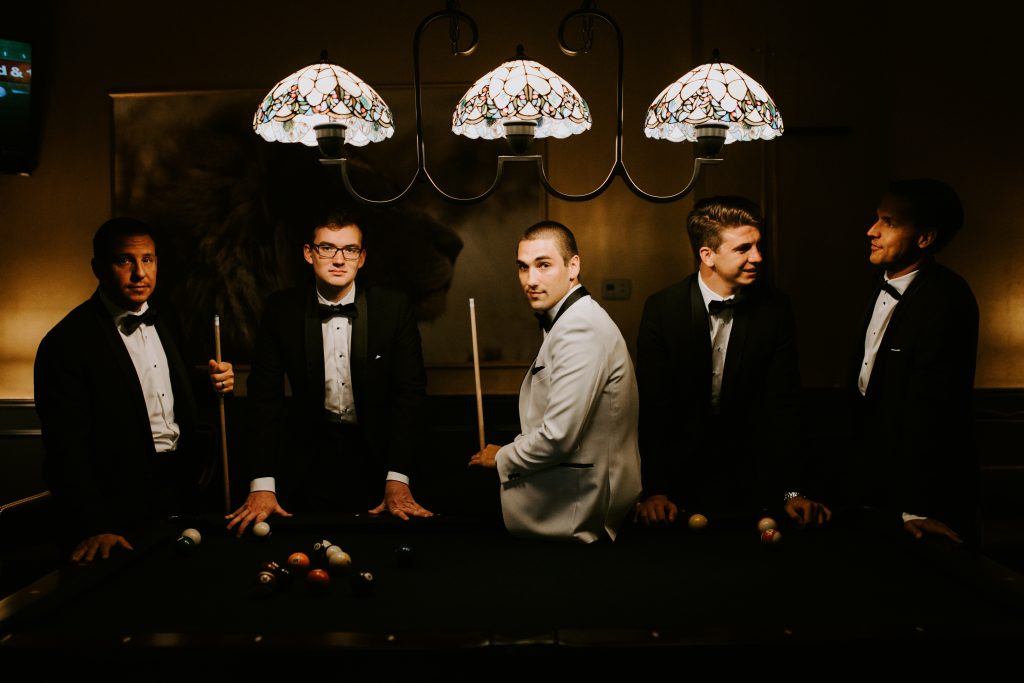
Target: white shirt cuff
{"type": "Point", "coordinates": [398, 476]}
{"type": "Point", "coordinates": [262, 484]}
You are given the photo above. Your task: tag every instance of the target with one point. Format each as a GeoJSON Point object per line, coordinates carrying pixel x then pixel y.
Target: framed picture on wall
{"type": "Point", "coordinates": [234, 211]}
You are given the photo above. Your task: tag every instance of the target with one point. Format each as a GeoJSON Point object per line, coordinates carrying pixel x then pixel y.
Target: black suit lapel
{"type": "Point", "coordinates": [741, 316]}
{"type": "Point", "coordinates": [129, 376]}
{"type": "Point", "coordinates": [360, 344]}
{"type": "Point", "coordinates": [184, 401]}
{"type": "Point", "coordinates": [314, 347]}
{"type": "Point", "coordinates": [700, 329]}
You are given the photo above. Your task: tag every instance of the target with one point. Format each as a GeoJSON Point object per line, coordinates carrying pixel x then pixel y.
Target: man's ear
{"type": "Point", "coordinates": [707, 256]}
{"type": "Point", "coordinates": [926, 239]}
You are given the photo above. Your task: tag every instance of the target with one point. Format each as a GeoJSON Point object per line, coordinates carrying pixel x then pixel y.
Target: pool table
{"type": "Point", "coordinates": [473, 595]}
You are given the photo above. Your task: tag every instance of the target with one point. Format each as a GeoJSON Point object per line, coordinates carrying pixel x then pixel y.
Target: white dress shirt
{"type": "Point", "coordinates": [721, 329]}
{"type": "Point", "coordinates": [150, 361]}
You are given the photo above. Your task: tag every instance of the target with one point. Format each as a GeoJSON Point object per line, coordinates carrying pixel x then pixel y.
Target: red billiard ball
{"type": "Point", "coordinates": [318, 578]}
{"type": "Point", "coordinates": [771, 536]}
{"type": "Point", "coordinates": [299, 561]}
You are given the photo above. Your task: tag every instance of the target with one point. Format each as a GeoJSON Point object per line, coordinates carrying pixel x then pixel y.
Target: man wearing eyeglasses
{"type": "Point", "coordinates": [351, 355]}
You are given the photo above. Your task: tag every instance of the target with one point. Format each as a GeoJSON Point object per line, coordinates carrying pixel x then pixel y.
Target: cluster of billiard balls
{"type": "Point", "coordinates": [188, 540]}
{"type": "Point", "coordinates": [766, 526]}
{"type": "Point", "coordinates": [317, 568]}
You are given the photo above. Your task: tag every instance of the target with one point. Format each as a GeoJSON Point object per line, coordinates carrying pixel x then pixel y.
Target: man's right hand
{"type": "Point", "coordinates": [256, 508]}
{"type": "Point", "coordinates": [656, 511]}
{"type": "Point", "coordinates": [102, 544]}
{"type": "Point", "coordinates": [919, 527]}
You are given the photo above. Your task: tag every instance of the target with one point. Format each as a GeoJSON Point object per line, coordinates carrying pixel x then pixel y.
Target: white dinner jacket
{"type": "Point", "coordinates": [574, 471]}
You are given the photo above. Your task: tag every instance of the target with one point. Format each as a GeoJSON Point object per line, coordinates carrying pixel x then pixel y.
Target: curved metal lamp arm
{"type": "Point", "coordinates": [456, 17]}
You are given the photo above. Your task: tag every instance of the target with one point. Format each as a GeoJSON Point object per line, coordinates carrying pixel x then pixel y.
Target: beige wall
{"type": "Point", "coordinates": [895, 82]}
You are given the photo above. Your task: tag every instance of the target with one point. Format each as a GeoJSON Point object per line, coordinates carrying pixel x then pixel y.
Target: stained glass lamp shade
{"type": "Point", "coordinates": [323, 94]}
{"type": "Point", "coordinates": [714, 93]}
{"type": "Point", "coordinates": [518, 97]}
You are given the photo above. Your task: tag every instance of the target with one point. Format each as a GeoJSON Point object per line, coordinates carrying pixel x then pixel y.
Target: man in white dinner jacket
{"type": "Point", "coordinates": [573, 473]}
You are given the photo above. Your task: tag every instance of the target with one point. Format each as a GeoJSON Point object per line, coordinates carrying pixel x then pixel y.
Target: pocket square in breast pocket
{"type": "Point", "coordinates": [377, 357]}
{"type": "Point", "coordinates": [535, 369]}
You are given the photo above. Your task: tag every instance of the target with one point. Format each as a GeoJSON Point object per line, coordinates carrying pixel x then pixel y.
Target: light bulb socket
{"type": "Point", "coordinates": [519, 135]}
{"type": "Point", "coordinates": [710, 138]}
{"type": "Point", "coordinates": [330, 137]}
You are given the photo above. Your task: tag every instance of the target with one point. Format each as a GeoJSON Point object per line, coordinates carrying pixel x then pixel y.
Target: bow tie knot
{"type": "Point", "coordinates": [328, 311]}
{"type": "Point", "coordinates": [891, 291]}
{"type": "Point", "coordinates": [717, 306]}
{"type": "Point", "coordinates": [544, 321]}
{"type": "Point", "coordinates": [130, 322]}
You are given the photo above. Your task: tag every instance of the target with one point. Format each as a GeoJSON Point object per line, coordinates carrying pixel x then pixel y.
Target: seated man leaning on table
{"type": "Point", "coordinates": [113, 393]}
{"type": "Point", "coordinates": [573, 473]}
{"type": "Point", "coordinates": [352, 357]}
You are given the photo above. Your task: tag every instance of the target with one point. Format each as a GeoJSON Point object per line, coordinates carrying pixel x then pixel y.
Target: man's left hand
{"type": "Point", "coordinates": [222, 377]}
{"type": "Point", "coordinates": [806, 512]}
{"type": "Point", "coordinates": [399, 502]}
{"type": "Point", "coordinates": [487, 457]}
{"type": "Point", "coordinates": [919, 527]}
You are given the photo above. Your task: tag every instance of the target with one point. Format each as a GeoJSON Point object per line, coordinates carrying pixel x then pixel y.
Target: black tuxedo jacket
{"type": "Point", "coordinates": [388, 383]}
{"type": "Point", "coordinates": [748, 453]}
{"type": "Point", "coordinates": [99, 446]}
{"type": "Point", "coordinates": [916, 451]}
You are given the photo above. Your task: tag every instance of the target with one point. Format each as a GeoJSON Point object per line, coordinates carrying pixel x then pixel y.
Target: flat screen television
{"type": "Point", "coordinates": [19, 135]}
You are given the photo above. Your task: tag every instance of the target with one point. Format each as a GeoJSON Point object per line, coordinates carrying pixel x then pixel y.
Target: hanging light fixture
{"type": "Point", "coordinates": [713, 105]}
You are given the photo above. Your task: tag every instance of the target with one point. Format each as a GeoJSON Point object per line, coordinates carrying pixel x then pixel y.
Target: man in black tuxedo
{"type": "Point", "coordinates": [351, 354]}
{"type": "Point", "coordinates": [913, 370]}
{"type": "Point", "coordinates": [113, 393]}
{"type": "Point", "coordinates": [719, 382]}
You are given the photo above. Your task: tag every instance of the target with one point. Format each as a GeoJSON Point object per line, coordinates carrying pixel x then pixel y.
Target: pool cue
{"type": "Point", "coordinates": [223, 421]}
{"type": "Point", "coordinates": [476, 376]}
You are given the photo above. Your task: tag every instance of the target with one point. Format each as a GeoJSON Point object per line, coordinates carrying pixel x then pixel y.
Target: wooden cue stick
{"type": "Point", "coordinates": [476, 376]}
{"type": "Point", "coordinates": [223, 422]}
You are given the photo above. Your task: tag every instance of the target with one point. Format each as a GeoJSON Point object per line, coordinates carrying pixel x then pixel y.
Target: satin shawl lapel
{"type": "Point", "coordinates": [314, 346]}
{"type": "Point", "coordinates": [905, 303]}
{"type": "Point", "coordinates": [360, 343]}
{"type": "Point", "coordinates": [741, 316]}
{"type": "Point", "coordinates": [184, 401]}
{"type": "Point", "coordinates": [700, 328]}
{"type": "Point", "coordinates": [129, 376]}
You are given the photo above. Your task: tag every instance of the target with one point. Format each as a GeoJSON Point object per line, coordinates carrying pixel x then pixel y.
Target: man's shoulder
{"type": "Point", "coordinates": [941, 285]}
{"type": "Point", "coordinates": [382, 295]}
{"type": "Point", "coordinates": [673, 292]}
{"type": "Point", "coordinates": [81, 317]}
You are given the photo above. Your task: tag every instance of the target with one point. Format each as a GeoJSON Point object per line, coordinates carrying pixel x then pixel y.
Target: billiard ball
{"type": "Point", "coordinates": [697, 521]}
{"type": "Point", "coordinates": [193, 534]}
{"type": "Point", "coordinates": [185, 545]}
{"type": "Point", "coordinates": [771, 536]}
{"type": "Point", "coordinates": [766, 523]}
{"type": "Point", "coordinates": [261, 529]}
{"type": "Point", "coordinates": [320, 550]}
{"type": "Point", "coordinates": [267, 580]}
{"type": "Point", "coordinates": [332, 550]}
{"type": "Point", "coordinates": [299, 561]}
{"type": "Point", "coordinates": [339, 561]}
{"type": "Point", "coordinates": [318, 578]}
{"type": "Point", "coordinates": [405, 556]}
{"type": "Point", "coordinates": [362, 583]}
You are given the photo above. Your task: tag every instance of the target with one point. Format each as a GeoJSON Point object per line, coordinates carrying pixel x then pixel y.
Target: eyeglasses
{"type": "Point", "coordinates": [349, 253]}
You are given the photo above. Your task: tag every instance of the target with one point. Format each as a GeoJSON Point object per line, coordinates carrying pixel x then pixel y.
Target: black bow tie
{"type": "Point", "coordinates": [130, 322]}
{"type": "Point", "coordinates": [544, 321]}
{"type": "Point", "coordinates": [345, 310]}
{"type": "Point", "coordinates": [892, 291]}
{"type": "Point", "coordinates": [717, 306]}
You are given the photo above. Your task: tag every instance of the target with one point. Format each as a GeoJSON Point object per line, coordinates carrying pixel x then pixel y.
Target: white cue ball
{"type": "Point", "coordinates": [193, 534]}
{"type": "Point", "coordinates": [261, 529]}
